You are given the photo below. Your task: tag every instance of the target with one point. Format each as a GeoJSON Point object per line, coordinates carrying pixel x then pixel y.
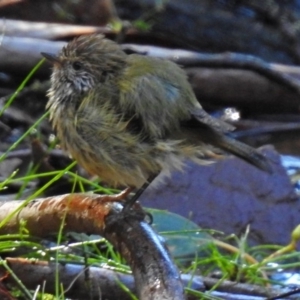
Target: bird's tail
{"type": "Point", "coordinates": [243, 151]}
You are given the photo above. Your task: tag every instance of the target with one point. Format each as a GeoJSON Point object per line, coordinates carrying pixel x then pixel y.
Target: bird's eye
{"type": "Point", "coordinates": [76, 65]}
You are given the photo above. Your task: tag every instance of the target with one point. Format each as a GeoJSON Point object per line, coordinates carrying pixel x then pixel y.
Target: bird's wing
{"type": "Point", "coordinates": [156, 94]}
{"type": "Point", "coordinates": [154, 103]}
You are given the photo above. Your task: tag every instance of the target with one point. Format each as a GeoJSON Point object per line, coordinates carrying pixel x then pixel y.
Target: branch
{"type": "Point", "coordinates": [155, 275]}
{"type": "Point", "coordinates": [73, 277]}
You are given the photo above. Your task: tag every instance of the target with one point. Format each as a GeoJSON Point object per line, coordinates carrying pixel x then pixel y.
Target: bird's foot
{"type": "Point", "coordinates": [134, 211]}
{"type": "Point", "coordinates": [130, 205]}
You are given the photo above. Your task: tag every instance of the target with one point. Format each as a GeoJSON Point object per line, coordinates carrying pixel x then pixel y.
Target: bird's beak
{"type": "Point", "coordinates": [52, 58]}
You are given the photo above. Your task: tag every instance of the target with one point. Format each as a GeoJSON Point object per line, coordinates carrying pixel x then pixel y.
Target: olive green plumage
{"type": "Point", "coordinates": [127, 117]}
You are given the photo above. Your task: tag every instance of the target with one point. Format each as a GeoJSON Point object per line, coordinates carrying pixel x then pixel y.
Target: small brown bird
{"type": "Point", "coordinates": [126, 118]}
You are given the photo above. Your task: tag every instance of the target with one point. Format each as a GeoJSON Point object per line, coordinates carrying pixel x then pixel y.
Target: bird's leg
{"type": "Point", "coordinates": [137, 212]}
{"type": "Point", "coordinates": [131, 201]}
